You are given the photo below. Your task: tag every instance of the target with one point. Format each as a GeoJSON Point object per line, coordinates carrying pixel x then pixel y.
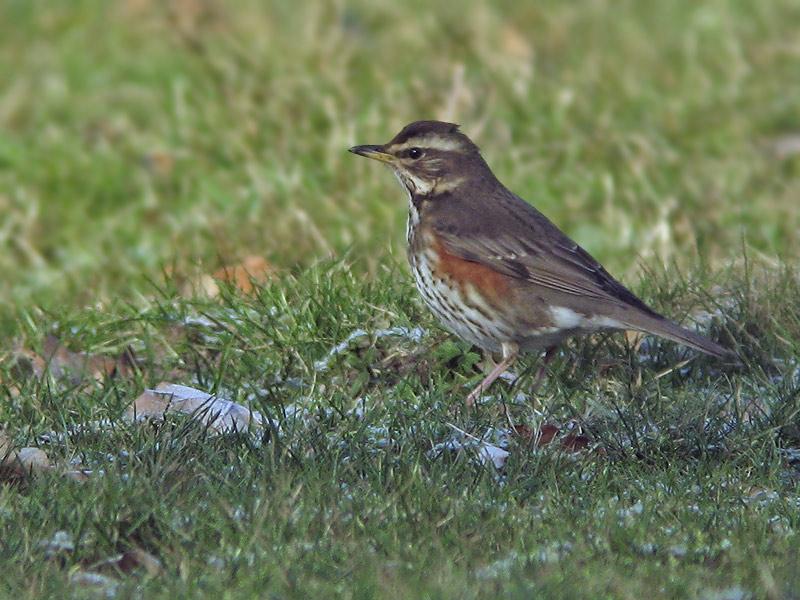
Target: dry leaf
{"type": "Point", "coordinates": [575, 442]}
{"type": "Point", "coordinates": [28, 364]}
{"type": "Point", "coordinates": [128, 562]}
{"type": "Point", "coordinates": [20, 464]}
{"type": "Point", "coordinates": [547, 433]}
{"type": "Point", "coordinates": [61, 363]}
{"type": "Point", "coordinates": [33, 459]}
{"type": "Point", "coordinates": [160, 164]}
{"type": "Point", "coordinates": [541, 437]}
{"type": "Point", "coordinates": [204, 286]}
{"type": "Point", "coordinates": [222, 416]}
{"type": "Point", "coordinates": [136, 558]}
{"type": "Point", "coordinates": [25, 462]}
{"type": "Point", "coordinates": [244, 276]}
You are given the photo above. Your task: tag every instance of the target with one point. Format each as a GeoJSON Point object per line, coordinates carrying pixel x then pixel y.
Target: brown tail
{"type": "Point", "coordinates": [665, 328]}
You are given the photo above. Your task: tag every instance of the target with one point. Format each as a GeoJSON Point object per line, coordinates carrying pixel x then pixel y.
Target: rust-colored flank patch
{"type": "Point", "coordinates": [492, 285]}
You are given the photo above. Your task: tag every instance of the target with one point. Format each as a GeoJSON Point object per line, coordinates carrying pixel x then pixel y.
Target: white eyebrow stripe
{"type": "Point", "coordinates": [429, 142]}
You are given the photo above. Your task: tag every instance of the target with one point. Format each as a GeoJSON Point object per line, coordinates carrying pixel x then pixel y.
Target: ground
{"type": "Point", "coordinates": [147, 145]}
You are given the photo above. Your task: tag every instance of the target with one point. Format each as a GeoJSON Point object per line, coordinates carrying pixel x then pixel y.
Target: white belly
{"type": "Point", "coordinates": [460, 309]}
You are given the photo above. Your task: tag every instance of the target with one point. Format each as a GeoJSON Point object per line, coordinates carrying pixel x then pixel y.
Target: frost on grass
{"type": "Point", "coordinates": [98, 583]}
{"type": "Point", "coordinates": [293, 419]}
{"type": "Point", "coordinates": [484, 451]}
{"type": "Point", "coordinates": [414, 335]}
{"type": "Point", "coordinates": [223, 416]}
{"type": "Point", "coordinates": [630, 513]}
{"type": "Point", "coordinates": [732, 593]}
{"type": "Point", "coordinates": [60, 543]}
{"type": "Point", "coordinates": [499, 568]}
{"type": "Point", "coordinates": [546, 554]}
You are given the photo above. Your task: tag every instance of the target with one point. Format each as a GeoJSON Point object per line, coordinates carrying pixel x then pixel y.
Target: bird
{"type": "Point", "coordinates": [494, 270]}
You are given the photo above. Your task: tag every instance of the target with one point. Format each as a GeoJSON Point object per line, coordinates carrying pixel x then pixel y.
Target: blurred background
{"type": "Point", "coordinates": [144, 137]}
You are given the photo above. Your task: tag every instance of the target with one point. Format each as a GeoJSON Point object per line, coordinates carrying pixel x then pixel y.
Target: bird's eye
{"type": "Point", "coordinates": [414, 153]}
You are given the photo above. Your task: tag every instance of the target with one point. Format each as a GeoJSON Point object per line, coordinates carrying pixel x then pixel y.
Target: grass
{"type": "Point", "coordinates": [138, 134]}
{"type": "Point", "coordinates": [685, 491]}
{"type": "Point", "coordinates": [143, 138]}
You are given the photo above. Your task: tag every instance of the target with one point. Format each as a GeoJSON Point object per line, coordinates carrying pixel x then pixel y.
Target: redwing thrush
{"type": "Point", "coordinates": [492, 268]}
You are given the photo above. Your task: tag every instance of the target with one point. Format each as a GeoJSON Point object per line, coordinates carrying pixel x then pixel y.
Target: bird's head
{"type": "Point", "coordinates": [429, 157]}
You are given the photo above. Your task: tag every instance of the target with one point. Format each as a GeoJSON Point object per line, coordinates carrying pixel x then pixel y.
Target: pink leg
{"type": "Point", "coordinates": [510, 352]}
{"type": "Point", "coordinates": [540, 373]}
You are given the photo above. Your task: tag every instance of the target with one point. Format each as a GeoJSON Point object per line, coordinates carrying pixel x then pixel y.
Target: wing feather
{"type": "Point", "coordinates": [535, 250]}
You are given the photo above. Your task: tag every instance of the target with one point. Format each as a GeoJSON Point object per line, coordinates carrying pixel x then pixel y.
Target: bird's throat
{"type": "Point", "coordinates": [414, 185]}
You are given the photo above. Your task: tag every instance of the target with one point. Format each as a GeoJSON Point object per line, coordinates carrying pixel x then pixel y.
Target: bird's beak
{"type": "Point", "coordinates": [375, 152]}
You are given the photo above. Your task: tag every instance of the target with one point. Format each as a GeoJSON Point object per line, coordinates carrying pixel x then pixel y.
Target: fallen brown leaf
{"type": "Point", "coordinates": [159, 163]}
{"type": "Point", "coordinates": [547, 433]}
{"type": "Point", "coordinates": [220, 415]}
{"type": "Point", "coordinates": [17, 465]}
{"type": "Point", "coordinates": [247, 274]}
{"type": "Point", "coordinates": [65, 363]}
{"type": "Point", "coordinates": [575, 442]}
{"type": "Point", "coordinates": [541, 437]}
{"type": "Point", "coordinates": [22, 463]}
{"type": "Point", "coordinates": [77, 367]}
{"type": "Point", "coordinates": [128, 562]}
{"type": "Point", "coordinates": [204, 285]}
{"type": "Point", "coordinates": [244, 276]}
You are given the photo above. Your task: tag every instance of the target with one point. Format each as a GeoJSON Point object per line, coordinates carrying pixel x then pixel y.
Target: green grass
{"type": "Point", "coordinates": [644, 130]}
{"type": "Point", "coordinates": [685, 490]}
{"type": "Point", "coordinates": [141, 137]}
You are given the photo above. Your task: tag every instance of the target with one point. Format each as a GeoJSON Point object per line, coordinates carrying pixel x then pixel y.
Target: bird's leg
{"type": "Point", "coordinates": [549, 354]}
{"type": "Point", "coordinates": [510, 352]}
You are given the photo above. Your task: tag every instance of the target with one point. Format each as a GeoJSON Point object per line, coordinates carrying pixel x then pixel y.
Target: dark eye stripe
{"type": "Point", "coordinates": [428, 153]}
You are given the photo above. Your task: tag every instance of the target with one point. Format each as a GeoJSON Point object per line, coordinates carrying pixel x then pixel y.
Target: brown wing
{"type": "Point", "coordinates": [530, 247]}
{"type": "Point", "coordinates": [515, 239]}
